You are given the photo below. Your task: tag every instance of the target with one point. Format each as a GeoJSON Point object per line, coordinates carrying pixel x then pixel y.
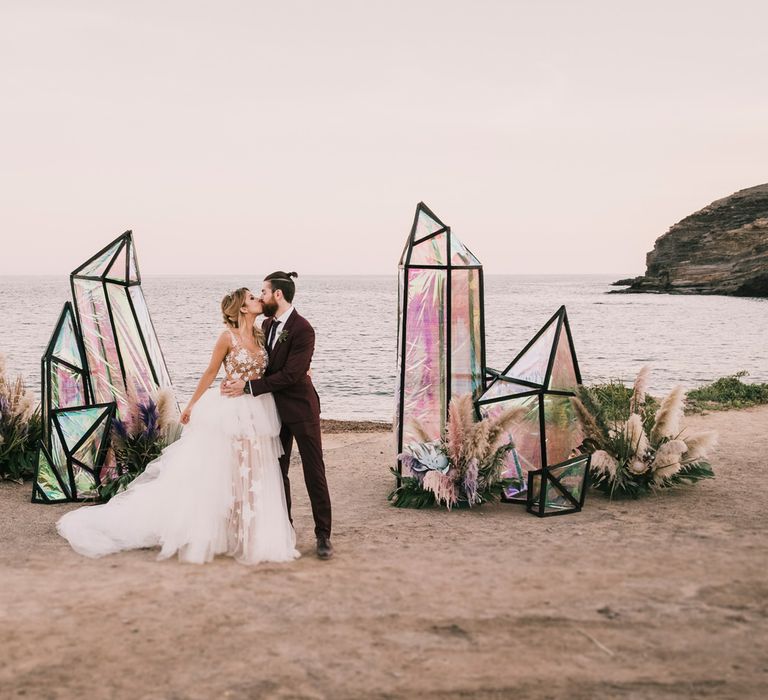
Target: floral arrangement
{"type": "Point", "coordinates": [639, 446]}
{"type": "Point", "coordinates": [20, 428]}
{"type": "Point", "coordinates": [464, 467]}
{"type": "Point", "coordinates": [140, 438]}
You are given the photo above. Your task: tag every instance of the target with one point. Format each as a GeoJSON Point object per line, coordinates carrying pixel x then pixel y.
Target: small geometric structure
{"type": "Point", "coordinates": [560, 489]}
{"type": "Point", "coordinates": [64, 377]}
{"type": "Point", "coordinates": [543, 379]}
{"type": "Point", "coordinates": [441, 348]}
{"type": "Point", "coordinates": [69, 466]}
{"type": "Point", "coordinates": [122, 352]}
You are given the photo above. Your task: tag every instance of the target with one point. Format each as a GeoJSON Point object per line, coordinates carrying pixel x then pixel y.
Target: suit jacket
{"type": "Point", "coordinates": [286, 374]}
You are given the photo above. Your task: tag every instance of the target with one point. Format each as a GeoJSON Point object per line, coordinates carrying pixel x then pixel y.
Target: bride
{"type": "Point", "coordinates": [216, 490]}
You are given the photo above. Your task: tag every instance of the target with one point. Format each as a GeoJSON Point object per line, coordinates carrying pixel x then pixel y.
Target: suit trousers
{"type": "Point", "coordinates": [309, 442]}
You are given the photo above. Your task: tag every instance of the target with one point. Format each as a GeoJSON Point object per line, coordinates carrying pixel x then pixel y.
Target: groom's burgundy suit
{"type": "Point", "coordinates": [299, 407]}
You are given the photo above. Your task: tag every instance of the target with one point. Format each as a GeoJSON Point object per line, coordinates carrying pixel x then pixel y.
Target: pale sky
{"type": "Point", "coordinates": [242, 137]}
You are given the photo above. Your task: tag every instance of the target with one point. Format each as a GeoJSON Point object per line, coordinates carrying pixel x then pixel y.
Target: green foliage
{"type": "Point", "coordinates": [726, 393]}
{"type": "Point", "coordinates": [410, 493]}
{"type": "Point", "coordinates": [627, 435]}
{"type": "Point", "coordinates": [20, 429]}
{"type": "Point", "coordinates": [610, 403]}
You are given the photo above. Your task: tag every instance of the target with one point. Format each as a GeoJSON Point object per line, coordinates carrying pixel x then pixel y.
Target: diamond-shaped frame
{"type": "Point", "coordinates": [548, 492]}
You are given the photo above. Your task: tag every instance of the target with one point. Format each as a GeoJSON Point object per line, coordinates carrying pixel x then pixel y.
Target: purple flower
{"type": "Point", "coordinates": [120, 428]}
{"type": "Point", "coordinates": [149, 416]}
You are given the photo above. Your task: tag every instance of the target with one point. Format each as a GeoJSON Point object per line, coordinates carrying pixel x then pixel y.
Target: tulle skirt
{"type": "Point", "coordinates": [216, 490]}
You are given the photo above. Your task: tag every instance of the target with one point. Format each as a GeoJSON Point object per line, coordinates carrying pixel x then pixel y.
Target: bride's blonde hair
{"type": "Point", "coordinates": [233, 317]}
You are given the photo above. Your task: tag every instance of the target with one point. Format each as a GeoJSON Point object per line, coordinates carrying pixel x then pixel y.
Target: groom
{"type": "Point", "coordinates": [290, 344]}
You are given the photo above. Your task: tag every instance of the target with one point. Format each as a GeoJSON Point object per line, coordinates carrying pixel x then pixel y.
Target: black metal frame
{"type": "Point", "coordinates": [104, 420]}
{"type": "Point", "coordinates": [547, 477]}
{"type": "Point", "coordinates": [406, 266]}
{"type": "Point", "coordinates": [560, 317]}
{"type": "Point", "coordinates": [123, 243]}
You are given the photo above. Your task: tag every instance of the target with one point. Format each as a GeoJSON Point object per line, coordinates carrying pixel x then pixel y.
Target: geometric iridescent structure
{"type": "Point", "coordinates": [441, 347]}
{"type": "Point", "coordinates": [69, 466]}
{"type": "Point", "coordinates": [542, 379]}
{"type": "Point", "coordinates": [559, 489]}
{"type": "Point", "coordinates": [122, 352]}
{"type": "Point", "coordinates": [101, 360]}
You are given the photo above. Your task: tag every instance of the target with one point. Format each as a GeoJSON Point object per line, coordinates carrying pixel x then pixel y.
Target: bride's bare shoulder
{"type": "Point", "coordinates": [224, 339]}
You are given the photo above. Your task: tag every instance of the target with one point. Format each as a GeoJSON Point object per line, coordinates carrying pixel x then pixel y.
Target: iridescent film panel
{"type": "Point", "coordinates": [425, 355]}
{"type": "Point", "coordinates": [100, 345]}
{"type": "Point", "coordinates": [466, 339]}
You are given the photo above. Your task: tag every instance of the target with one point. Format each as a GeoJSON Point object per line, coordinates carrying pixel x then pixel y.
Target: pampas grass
{"type": "Point", "coordinates": [699, 445]}
{"type": "Point", "coordinates": [475, 451]}
{"type": "Point", "coordinates": [20, 427]}
{"type": "Point", "coordinates": [667, 463]}
{"type": "Point", "coordinates": [639, 390]}
{"type": "Point", "coordinates": [635, 448]}
{"type": "Point", "coordinates": [669, 417]}
{"type": "Point", "coordinates": [604, 462]}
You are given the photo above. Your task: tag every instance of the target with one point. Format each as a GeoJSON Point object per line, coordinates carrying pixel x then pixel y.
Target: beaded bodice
{"type": "Point", "coordinates": [242, 363]}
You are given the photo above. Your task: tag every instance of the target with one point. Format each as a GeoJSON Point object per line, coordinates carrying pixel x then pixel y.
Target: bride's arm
{"type": "Point", "coordinates": [217, 357]}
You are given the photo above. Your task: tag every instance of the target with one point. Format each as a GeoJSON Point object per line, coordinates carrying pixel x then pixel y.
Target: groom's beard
{"type": "Point", "coordinates": [269, 308]}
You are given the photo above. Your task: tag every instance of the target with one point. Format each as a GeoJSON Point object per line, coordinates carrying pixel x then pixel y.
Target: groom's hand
{"type": "Point", "coordinates": [233, 387]}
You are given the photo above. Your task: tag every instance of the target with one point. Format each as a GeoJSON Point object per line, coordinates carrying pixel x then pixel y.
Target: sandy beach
{"type": "Point", "coordinates": [665, 597]}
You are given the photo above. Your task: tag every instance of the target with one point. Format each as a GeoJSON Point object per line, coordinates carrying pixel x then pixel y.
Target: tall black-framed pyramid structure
{"type": "Point", "coordinates": [441, 333]}
{"type": "Point", "coordinates": [103, 356]}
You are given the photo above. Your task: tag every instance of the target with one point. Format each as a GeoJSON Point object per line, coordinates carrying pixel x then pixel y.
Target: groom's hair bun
{"type": "Point", "coordinates": [284, 282]}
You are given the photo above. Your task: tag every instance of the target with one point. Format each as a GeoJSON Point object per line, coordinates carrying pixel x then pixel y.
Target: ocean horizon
{"type": "Point", "coordinates": [688, 340]}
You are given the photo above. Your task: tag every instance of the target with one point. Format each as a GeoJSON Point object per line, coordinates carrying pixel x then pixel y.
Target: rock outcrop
{"type": "Point", "coordinates": [722, 249]}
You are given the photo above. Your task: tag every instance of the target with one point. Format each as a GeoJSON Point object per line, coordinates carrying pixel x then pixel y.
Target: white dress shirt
{"type": "Point", "coordinates": [282, 318]}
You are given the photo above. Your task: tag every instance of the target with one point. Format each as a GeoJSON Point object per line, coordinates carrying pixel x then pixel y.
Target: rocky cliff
{"type": "Point", "coordinates": [722, 249]}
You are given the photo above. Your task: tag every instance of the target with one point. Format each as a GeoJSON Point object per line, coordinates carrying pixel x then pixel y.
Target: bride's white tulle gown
{"type": "Point", "coordinates": [216, 490]}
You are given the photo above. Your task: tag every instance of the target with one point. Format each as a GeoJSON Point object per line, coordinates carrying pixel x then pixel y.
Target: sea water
{"type": "Point", "coordinates": [688, 340]}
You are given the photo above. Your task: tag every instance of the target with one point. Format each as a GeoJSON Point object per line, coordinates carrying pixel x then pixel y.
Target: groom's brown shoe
{"type": "Point", "coordinates": [324, 547]}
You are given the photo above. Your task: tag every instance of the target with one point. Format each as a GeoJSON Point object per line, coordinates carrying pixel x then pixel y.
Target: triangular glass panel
{"type": "Point", "coordinates": [46, 480]}
{"type": "Point", "coordinates": [65, 346]}
{"type": "Point", "coordinates": [58, 456]}
{"type": "Point", "coordinates": [531, 365]}
{"type": "Point", "coordinates": [133, 263]}
{"type": "Point", "coordinates": [117, 269]}
{"type": "Point", "coordinates": [504, 388]}
{"type": "Point", "coordinates": [460, 255]}
{"type": "Point", "coordinates": [88, 453]}
{"type": "Point", "coordinates": [431, 252]}
{"type": "Point", "coordinates": [85, 482]}
{"type": "Point", "coordinates": [97, 266]}
{"type": "Point", "coordinates": [425, 225]}
{"type": "Point", "coordinates": [564, 376]}
{"type": "Point", "coordinates": [554, 500]}
{"type": "Point", "coordinates": [67, 386]}
{"type": "Point", "coordinates": [572, 476]}
{"type": "Point", "coordinates": [76, 422]}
